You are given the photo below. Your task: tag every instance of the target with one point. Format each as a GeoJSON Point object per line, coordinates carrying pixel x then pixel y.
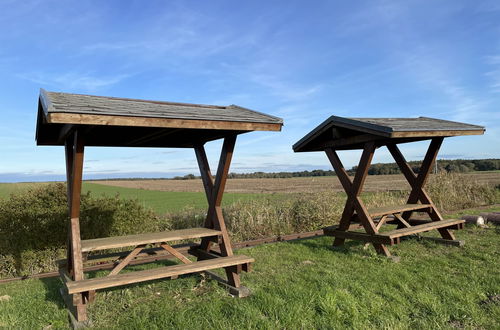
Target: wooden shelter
{"type": "Point", "coordinates": [76, 121]}
{"type": "Point", "coordinates": [368, 134]}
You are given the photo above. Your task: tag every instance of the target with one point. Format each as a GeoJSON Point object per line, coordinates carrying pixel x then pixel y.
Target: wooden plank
{"type": "Point", "coordinates": [156, 273]}
{"type": "Point", "coordinates": [108, 120]}
{"type": "Point", "coordinates": [360, 236]}
{"type": "Point", "coordinates": [125, 261]}
{"type": "Point", "coordinates": [385, 210]}
{"type": "Point", "coordinates": [149, 238]}
{"type": "Point", "coordinates": [402, 220]}
{"type": "Point", "coordinates": [75, 165]}
{"type": "Point", "coordinates": [421, 228]}
{"type": "Point", "coordinates": [381, 222]}
{"type": "Point", "coordinates": [329, 229]}
{"type": "Point", "coordinates": [176, 253]}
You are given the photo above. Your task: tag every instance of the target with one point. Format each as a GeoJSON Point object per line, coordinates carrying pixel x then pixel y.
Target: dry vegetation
{"type": "Point", "coordinates": [288, 185]}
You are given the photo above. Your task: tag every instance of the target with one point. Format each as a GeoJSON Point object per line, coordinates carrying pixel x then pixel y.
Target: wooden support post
{"type": "Point", "coordinates": [353, 190]}
{"type": "Point", "coordinates": [74, 148]}
{"type": "Point", "coordinates": [214, 192]}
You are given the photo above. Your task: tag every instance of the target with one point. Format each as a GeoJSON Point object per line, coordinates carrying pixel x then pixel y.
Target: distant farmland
{"type": "Point", "coordinates": [173, 195]}
{"type": "Point", "coordinates": [285, 185]}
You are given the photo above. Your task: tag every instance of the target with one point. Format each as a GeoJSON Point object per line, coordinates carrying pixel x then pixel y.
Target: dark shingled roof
{"type": "Point", "coordinates": [125, 122]}
{"type": "Point", "coordinates": [114, 106]}
{"type": "Point", "coordinates": [351, 133]}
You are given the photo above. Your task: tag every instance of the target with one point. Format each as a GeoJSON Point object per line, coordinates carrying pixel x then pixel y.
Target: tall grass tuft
{"type": "Point", "coordinates": [454, 191]}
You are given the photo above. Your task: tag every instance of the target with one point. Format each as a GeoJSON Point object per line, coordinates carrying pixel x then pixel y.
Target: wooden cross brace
{"type": "Point", "coordinates": [353, 190]}
{"type": "Point", "coordinates": [355, 208]}
{"type": "Point", "coordinates": [214, 190]}
{"type": "Point", "coordinates": [417, 182]}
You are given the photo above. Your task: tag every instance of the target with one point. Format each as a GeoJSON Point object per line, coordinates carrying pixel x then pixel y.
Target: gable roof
{"type": "Point", "coordinates": [58, 110]}
{"type": "Point", "coordinates": [351, 133]}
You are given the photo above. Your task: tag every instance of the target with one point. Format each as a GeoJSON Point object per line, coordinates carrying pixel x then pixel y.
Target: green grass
{"type": "Point", "coordinates": [301, 284]}
{"type": "Point", "coordinates": [160, 201]}
{"type": "Point", "coordinates": [164, 201]}
{"type": "Point", "coordinates": [8, 188]}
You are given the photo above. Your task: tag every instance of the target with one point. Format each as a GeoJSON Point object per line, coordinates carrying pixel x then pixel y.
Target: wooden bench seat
{"type": "Point", "coordinates": [421, 228]}
{"type": "Point", "coordinates": [392, 237]}
{"type": "Point", "coordinates": [155, 273]}
{"type": "Point", "coordinates": [386, 210]}
{"type": "Point", "coordinates": [149, 238]}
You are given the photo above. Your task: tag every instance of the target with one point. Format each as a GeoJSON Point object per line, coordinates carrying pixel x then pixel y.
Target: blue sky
{"type": "Point", "coordinates": [299, 60]}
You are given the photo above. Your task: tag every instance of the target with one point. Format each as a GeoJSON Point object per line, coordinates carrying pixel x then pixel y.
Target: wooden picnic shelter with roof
{"type": "Point", "coordinates": [76, 121]}
{"type": "Point", "coordinates": [359, 223]}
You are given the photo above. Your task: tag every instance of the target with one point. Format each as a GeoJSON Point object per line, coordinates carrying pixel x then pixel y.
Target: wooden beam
{"type": "Point", "coordinates": [155, 273]}
{"type": "Point", "coordinates": [353, 190]}
{"type": "Point", "coordinates": [76, 147]}
{"type": "Point", "coordinates": [105, 243]}
{"type": "Point", "coordinates": [176, 253]}
{"type": "Point", "coordinates": [111, 120]}
{"type": "Point", "coordinates": [214, 192]}
{"type": "Point", "coordinates": [125, 261]}
{"type": "Point", "coordinates": [346, 141]}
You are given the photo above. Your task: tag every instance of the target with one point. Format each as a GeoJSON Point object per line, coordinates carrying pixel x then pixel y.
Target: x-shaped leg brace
{"type": "Point", "coordinates": [214, 190]}
{"type": "Point", "coordinates": [353, 190]}
{"type": "Point", "coordinates": [417, 182]}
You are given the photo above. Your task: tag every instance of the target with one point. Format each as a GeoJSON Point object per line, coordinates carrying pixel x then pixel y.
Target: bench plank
{"type": "Point", "coordinates": [149, 238]}
{"type": "Point", "coordinates": [385, 210]}
{"type": "Point", "coordinates": [421, 228]}
{"type": "Point", "coordinates": [360, 236]}
{"type": "Point", "coordinates": [155, 273]}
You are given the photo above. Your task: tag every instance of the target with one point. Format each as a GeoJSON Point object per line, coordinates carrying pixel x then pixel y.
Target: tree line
{"type": "Point", "coordinates": [448, 165]}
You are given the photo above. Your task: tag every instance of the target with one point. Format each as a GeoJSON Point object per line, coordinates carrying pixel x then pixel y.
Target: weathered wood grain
{"type": "Point", "coordinates": [155, 273]}
{"type": "Point", "coordinates": [421, 228]}
{"type": "Point", "coordinates": [149, 238]}
{"type": "Point", "coordinates": [385, 210]}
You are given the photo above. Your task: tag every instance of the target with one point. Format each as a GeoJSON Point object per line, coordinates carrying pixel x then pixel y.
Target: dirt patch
{"type": "Point", "coordinates": [491, 299]}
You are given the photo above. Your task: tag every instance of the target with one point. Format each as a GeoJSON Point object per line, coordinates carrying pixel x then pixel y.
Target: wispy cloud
{"type": "Point", "coordinates": [494, 73]}
{"type": "Point", "coordinates": [74, 80]}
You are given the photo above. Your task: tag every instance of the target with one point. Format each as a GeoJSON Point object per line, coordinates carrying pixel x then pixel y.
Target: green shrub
{"type": "Point", "coordinates": [34, 223]}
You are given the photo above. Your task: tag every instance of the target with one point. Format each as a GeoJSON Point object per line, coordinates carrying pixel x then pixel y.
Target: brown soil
{"type": "Point", "coordinates": [291, 185]}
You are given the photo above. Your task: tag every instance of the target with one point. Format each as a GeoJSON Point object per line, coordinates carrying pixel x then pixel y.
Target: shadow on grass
{"type": "Point", "coordinates": [318, 244]}
{"type": "Point", "coordinates": [52, 286]}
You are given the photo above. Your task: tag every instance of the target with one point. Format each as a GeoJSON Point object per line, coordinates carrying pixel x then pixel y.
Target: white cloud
{"type": "Point", "coordinates": [494, 73]}
{"type": "Point", "coordinates": [74, 80]}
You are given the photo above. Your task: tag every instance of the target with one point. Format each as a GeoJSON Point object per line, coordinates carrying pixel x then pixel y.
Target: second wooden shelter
{"type": "Point", "coordinates": [368, 134]}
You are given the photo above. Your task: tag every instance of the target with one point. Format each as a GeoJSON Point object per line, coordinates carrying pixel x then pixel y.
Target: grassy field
{"type": "Point", "coordinates": [159, 201]}
{"type": "Point", "coordinates": [302, 284]}
{"type": "Point", "coordinates": [289, 185]}
{"type": "Point", "coordinates": [172, 195]}
{"type": "Point", "coordinates": [164, 201]}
